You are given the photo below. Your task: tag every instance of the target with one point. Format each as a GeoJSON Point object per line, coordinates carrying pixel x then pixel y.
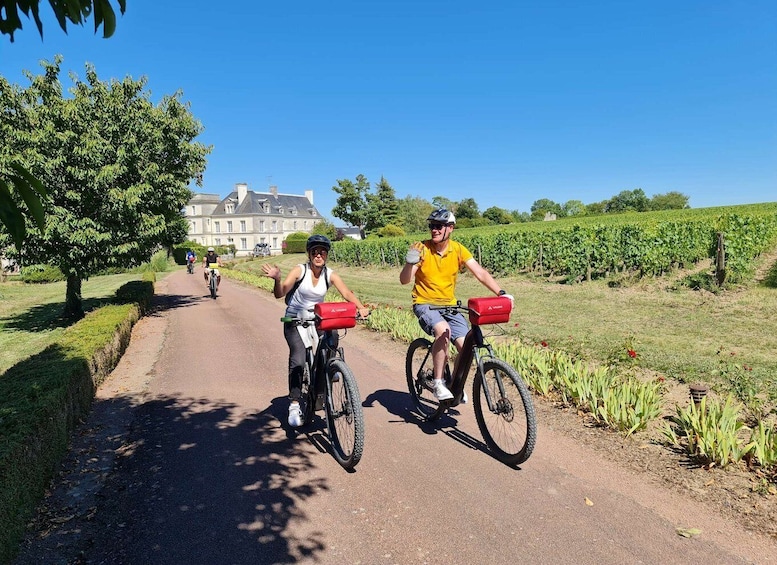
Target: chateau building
{"type": "Point", "coordinates": [245, 218]}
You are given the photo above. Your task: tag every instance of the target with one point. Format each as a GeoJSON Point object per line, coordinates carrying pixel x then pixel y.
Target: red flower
{"type": "Point", "coordinates": [661, 378]}
{"type": "Point", "coordinates": [544, 344]}
{"type": "Point", "coordinates": [517, 325]}
{"type": "Point", "coordinates": [632, 354]}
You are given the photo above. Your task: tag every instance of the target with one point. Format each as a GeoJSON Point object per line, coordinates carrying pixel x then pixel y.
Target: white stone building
{"type": "Point", "coordinates": [245, 218]}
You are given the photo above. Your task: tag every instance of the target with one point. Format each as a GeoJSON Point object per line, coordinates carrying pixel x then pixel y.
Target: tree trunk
{"type": "Point", "coordinates": [74, 308]}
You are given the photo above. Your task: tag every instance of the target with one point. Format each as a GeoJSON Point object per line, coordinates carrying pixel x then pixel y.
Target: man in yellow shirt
{"type": "Point", "coordinates": [434, 264]}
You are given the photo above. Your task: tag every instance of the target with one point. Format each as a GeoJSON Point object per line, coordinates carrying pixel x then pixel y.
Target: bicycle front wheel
{"type": "Point", "coordinates": [419, 370]}
{"type": "Point", "coordinates": [213, 286]}
{"type": "Point", "coordinates": [345, 417]}
{"type": "Point", "coordinates": [509, 426]}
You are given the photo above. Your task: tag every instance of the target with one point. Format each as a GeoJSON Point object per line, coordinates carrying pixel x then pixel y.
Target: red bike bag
{"type": "Point", "coordinates": [335, 315]}
{"type": "Point", "coordinates": [491, 310]}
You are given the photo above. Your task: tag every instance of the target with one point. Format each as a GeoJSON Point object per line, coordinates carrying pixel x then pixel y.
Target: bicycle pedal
{"type": "Point", "coordinates": [319, 402]}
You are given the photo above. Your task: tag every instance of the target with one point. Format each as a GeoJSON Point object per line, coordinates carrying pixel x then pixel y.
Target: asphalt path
{"type": "Point", "coordinates": [210, 473]}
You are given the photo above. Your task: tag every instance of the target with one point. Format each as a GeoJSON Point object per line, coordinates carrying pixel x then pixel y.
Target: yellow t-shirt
{"type": "Point", "coordinates": [435, 279]}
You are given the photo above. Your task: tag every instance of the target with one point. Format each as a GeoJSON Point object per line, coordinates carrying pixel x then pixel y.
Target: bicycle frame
{"type": "Point", "coordinates": [474, 342]}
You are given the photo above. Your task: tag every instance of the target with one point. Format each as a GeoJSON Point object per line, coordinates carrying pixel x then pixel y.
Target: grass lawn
{"type": "Point", "coordinates": [30, 313]}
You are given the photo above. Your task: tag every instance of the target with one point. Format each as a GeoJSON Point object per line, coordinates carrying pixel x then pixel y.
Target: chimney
{"type": "Point", "coordinates": [242, 191]}
{"type": "Point", "coordinates": [274, 190]}
{"type": "Point", "coordinates": [309, 196]}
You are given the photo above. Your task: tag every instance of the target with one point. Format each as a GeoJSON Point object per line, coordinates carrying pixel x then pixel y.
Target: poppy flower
{"type": "Point", "coordinates": [544, 344]}
{"type": "Point", "coordinates": [632, 354]}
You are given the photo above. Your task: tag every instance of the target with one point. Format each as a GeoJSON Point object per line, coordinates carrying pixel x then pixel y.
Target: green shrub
{"type": "Point", "coordinates": [41, 274]}
{"type": "Point", "coordinates": [295, 242]}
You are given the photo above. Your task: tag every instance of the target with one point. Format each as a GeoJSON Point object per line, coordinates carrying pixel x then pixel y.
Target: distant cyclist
{"type": "Point", "coordinates": [303, 288]}
{"type": "Point", "coordinates": [191, 258]}
{"type": "Point", "coordinates": [209, 259]}
{"type": "Point", "coordinates": [434, 264]}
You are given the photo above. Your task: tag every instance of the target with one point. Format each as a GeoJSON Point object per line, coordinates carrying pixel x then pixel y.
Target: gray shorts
{"type": "Point", "coordinates": [428, 318]}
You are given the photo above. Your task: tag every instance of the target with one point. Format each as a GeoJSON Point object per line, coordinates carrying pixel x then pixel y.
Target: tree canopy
{"type": "Point", "coordinates": [73, 11]}
{"type": "Point", "coordinates": [117, 168]}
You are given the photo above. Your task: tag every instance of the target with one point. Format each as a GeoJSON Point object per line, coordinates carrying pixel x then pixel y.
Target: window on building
{"type": "Point", "coordinates": [275, 242]}
{"type": "Point", "coordinates": [242, 226]}
{"type": "Point", "coordinates": [261, 225]}
{"type": "Point", "coordinates": [243, 243]}
{"type": "Point", "coordinates": [229, 227]}
{"type": "Point", "coordinates": [294, 224]}
{"type": "Point", "coordinates": [274, 225]}
{"type": "Point", "coordinates": [218, 227]}
{"type": "Point", "coordinates": [230, 208]}
{"type": "Point", "coordinates": [194, 210]}
{"type": "Point", "coordinates": [217, 241]}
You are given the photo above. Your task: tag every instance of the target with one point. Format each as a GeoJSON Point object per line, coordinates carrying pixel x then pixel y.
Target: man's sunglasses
{"type": "Point", "coordinates": [438, 226]}
{"type": "Point", "coordinates": [318, 251]}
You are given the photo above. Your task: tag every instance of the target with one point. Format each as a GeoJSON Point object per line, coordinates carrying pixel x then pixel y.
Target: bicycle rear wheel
{"type": "Point", "coordinates": [345, 417]}
{"type": "Point", "coordinates": [419, 370]}
{"type": "Point", "coordinates": [510, 430]}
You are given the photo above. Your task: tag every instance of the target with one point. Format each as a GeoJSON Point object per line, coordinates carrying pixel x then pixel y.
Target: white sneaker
{"type": "Point", "coordinates": [295, 415]}
{"type": "Point", "coordinates": [441, 391]}
{"type": "Point", "coordinates": [464, 398]}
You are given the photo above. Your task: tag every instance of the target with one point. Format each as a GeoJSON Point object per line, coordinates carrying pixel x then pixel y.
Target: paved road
{"type": "Point", "coordinates": [209, 474]}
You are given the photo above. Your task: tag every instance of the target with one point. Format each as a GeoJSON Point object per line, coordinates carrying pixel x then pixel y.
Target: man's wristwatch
{"type": "Point", "coordinates": [501, 293]}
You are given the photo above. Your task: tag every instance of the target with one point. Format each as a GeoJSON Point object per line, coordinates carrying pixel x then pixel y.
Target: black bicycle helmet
{"type": "Point", "coordinates": [443, 216]}
{"type": "Point", "coordinates": [318, 241]}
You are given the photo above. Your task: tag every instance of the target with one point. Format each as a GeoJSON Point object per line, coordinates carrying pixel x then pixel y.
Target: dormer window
{"type": "Point", "coordinates": [280, 210]}
{"type": "Point", "coordinates": [230, 208]}
{"type": "Point", "coordinates": [293, 210]}
{"type": "Point", "coordinates": [266, 207]}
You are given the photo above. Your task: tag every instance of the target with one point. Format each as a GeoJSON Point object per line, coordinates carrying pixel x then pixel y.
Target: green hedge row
{"type": "Point", "coordinates": [44, 397]}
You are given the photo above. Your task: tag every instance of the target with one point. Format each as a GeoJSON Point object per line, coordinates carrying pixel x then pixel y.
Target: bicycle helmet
{"type": "Point", "coordinates": [211, 249]}
{"type": "Point", "coordinates": [318, 241]}
{"type": "Point", "coordinates": [443, 216]}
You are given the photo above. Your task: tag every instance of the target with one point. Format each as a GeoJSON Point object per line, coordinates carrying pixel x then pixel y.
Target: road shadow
{"type": "Point", "coordinates": [192, 481]}
{"type": "Point", "coordinates": [400, 404]}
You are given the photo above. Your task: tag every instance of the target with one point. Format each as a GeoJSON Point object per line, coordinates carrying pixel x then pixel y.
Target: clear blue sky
{"type": "Point", "coordinates": [506, 102]}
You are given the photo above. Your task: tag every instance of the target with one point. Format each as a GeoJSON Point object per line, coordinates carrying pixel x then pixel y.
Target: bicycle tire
{"type": "Point", "coordinates": [419, 371]}
{"type": "Point", "coordinates": [345, 417]}
{"type": "Point", "coordinates": [212, 283]}
{"type": "Point", "coordinates": [511, 431]}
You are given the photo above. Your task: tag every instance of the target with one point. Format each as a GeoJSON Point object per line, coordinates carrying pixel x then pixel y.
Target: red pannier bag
{"type": "Point", "coordinates": [335, 315]}
{"type": "Point", "coordinates": [492, 310]}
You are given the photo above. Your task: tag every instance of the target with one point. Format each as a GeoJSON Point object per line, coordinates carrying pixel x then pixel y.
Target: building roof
{"type": "Point", "coordinates": [254, 203]}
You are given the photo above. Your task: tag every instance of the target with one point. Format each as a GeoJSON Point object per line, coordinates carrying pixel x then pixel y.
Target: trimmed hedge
{"type": "Point", "coordinates": [44, 397]}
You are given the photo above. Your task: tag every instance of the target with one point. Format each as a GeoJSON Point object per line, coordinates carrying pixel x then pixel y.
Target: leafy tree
{"type": "Point", "coordinates": [382, 206]}
{"type": "Point", "coordinates": [442, 202]}
{"type": "Point", "coordinates": [326, 228]}
{"type": "Point", "coordinates": [116, 166]}
{"type": "Point", "coordinates": [75, 11]}
{"type": "Point", "coordinates": [413, 211]}
{"type": "Point", "coordinates": [628, 201]}
{"type": "Point", "coordinates": [352, 206]}
{"type": "Point", "coordinates": [520, 217]}
{"type": "Point", "coordinates": [467, 209]}
{"type": "Point", "coordinates": [669, 201]}
{"type": "Point", "coordinates": [574, 208]}
{"type": "Point", "coordinates": [545, 206]}
{"type": "Point", "coordinates": [20, 185]}
{"type": "Point", "coordinates": [498, 215]}
{"type": "Point", "coordinates": [596, 207]}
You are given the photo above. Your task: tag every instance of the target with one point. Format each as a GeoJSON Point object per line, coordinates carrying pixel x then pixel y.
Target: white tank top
{"type": "Point", "coordinates": [307, 296]}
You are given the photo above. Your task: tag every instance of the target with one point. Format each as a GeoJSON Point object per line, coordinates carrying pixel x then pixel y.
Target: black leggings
{"type": "Point", "coordinates": [296, 359]}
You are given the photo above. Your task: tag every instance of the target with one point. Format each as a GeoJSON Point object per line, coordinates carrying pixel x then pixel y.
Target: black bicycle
{"type": "Point", "coordinates": [503, 404]}
{"type": "Point", "coordinates": [328, 383]}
